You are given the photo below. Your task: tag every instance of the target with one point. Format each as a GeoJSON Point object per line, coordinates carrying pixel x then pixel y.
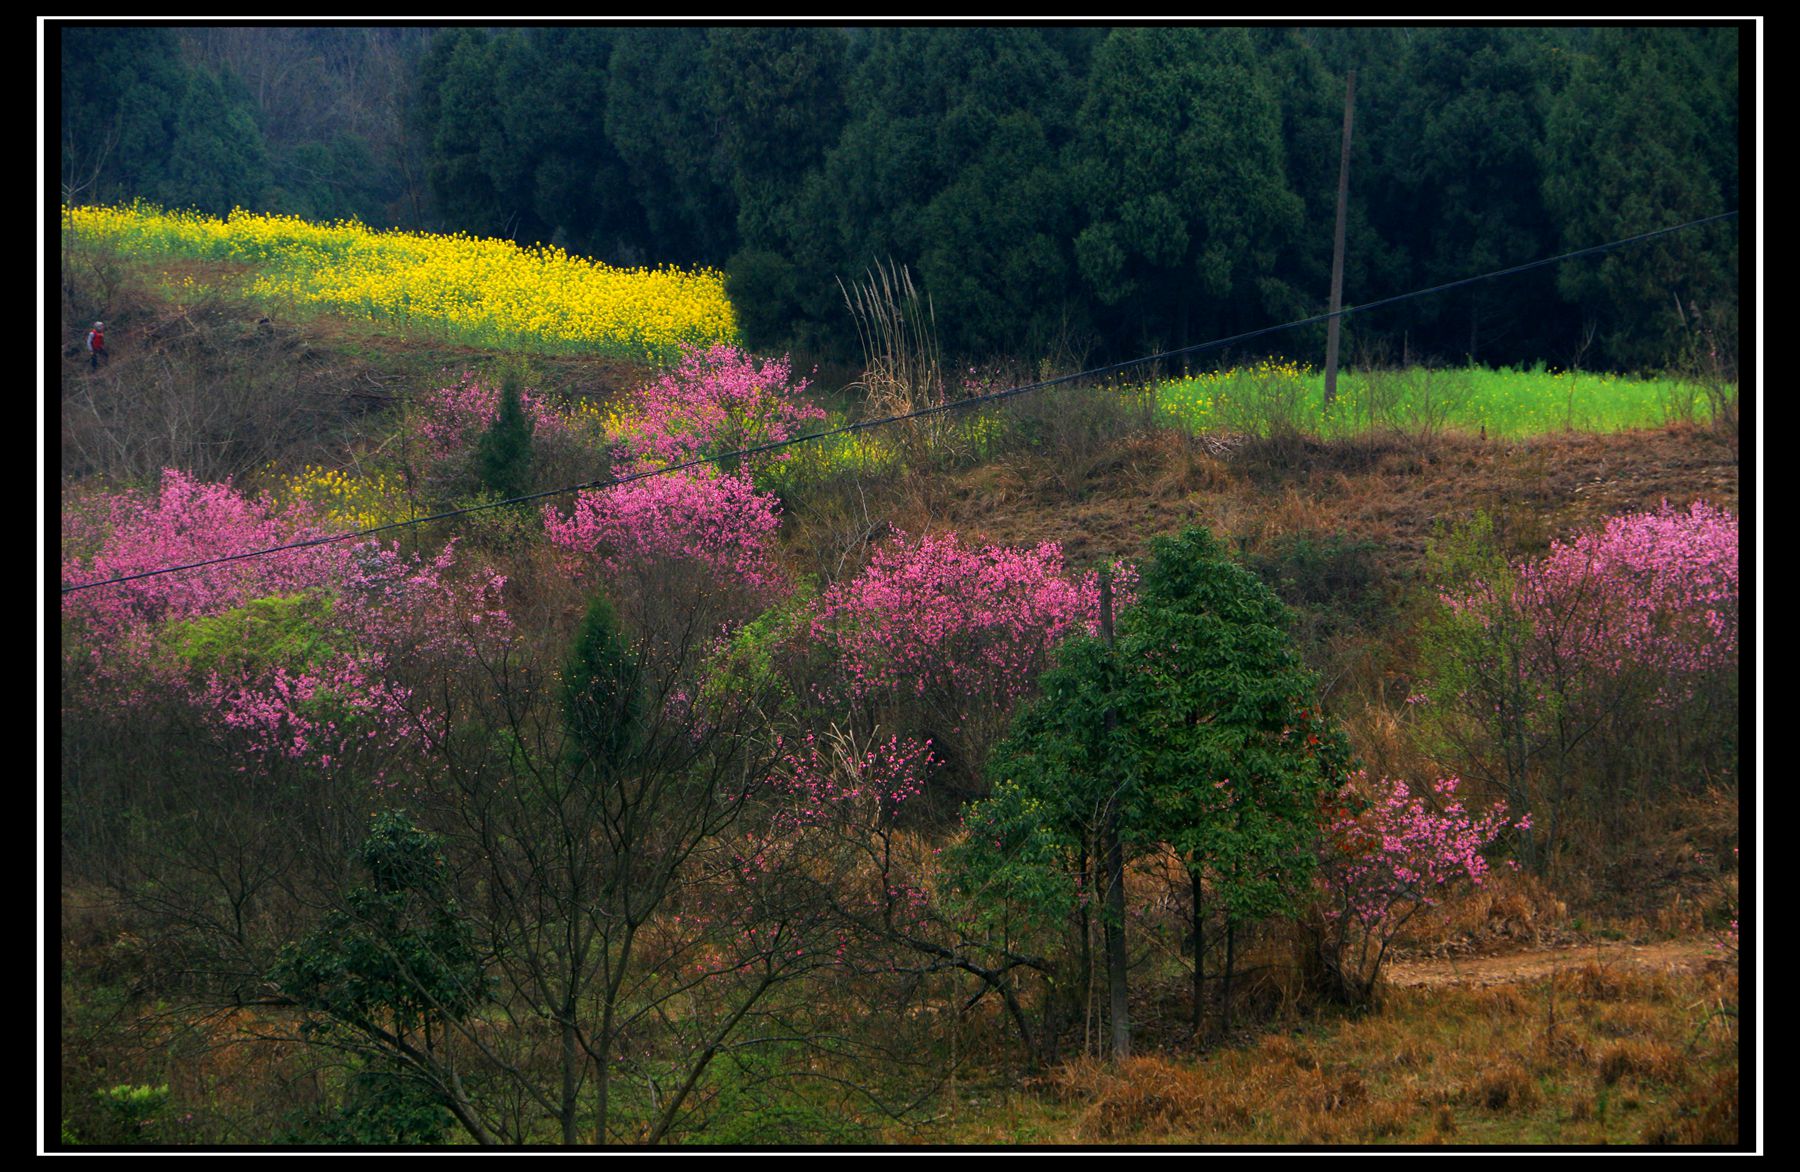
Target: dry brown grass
{"type": "Point", "coordinates": [1703, 1114]}
{"type": "Point", "coordinates": [1153, 483]}
{"type": "Point", "coordinates": [1502, 1001]}
{"type": "Point", "coordinates": [1170, 464]}
{"type": "Point", "coordinates": [1627, 1020]}
{"type": "Point", "coordinates": [1505, 1087]}
{"type": "Point", "coordinates": [1594, 981]}
{"type": "Point", "coordinates": [1509, 907]}
{"type": "Point", "coordinates": [1142, 1096]}
{"type": "Point", "coordinates": [1610, 1063]}
{"type": "Point", "coordinates": [1388, 1120]}
{"type": "Point", "coordinates": [1443, 1127]}
{"type": "Point", "coordinates": [1639, 1058]}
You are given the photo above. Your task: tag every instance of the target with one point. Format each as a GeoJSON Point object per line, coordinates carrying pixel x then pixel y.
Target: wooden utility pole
{"type": "Point", "coordinates": [1115, 865]}
{"type": "Point", "coordinates": [1337, 251]}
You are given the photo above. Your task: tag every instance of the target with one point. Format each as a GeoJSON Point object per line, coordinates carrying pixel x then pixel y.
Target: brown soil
{"type": "Point", "coordinates": [1536, 964]}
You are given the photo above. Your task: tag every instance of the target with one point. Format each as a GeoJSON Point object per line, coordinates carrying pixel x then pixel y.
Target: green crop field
{"type": "Point", "coordinates": [1279, 394]}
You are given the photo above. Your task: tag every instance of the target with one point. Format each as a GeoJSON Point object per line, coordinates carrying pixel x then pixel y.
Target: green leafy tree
{"type": "Point", "coordinates": [390, 977]}
{"type": "Point", "coordinates": [479, 170]}
{"type": "Point", "coordinates": [949, 163]}
{"type": "Point", "coordinates": [553, 106]}
{"type": "Point", "coordinates": [382, 1107]}
{"type": "Point", "coordinates": [216, 158]}
{"type": "Point", "coordinates": [598, 806]}
{"type": "Point", "coordinates": [339, 179]}
{"type": "Point", "coordinates": [136, 123]}
{"type": "Point", "coordinates": [778, 98]}
{"type": "Point", "coordinates": [1180, 176]}
{"type": "Point", "coordinates": [1644, 136]}
{"type": "Point", "coordinates": [1198, 728]}
{"type": "Point", "coordinates": [1310, 98]}
{"type": "Point", "coordinates": [993, 229]}
{"type": "Point", "coordinates": [602, 693]}
{"type": "Point", "coordinates": [1462, 173]}
{"type": "Point", "coordinates": [659, 120]}
{"type": "Point", "coordinates": [119, 90]}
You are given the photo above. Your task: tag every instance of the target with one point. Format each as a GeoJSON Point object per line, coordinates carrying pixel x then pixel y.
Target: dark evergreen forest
{"type": "Point", "coordinates": [1066, 192]}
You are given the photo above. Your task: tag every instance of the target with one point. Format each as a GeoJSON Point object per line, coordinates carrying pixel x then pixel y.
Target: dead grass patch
{"type": "Point", "coordinates": [1628, 1020]}
{"type": "Point", "coordinates": [1141, 1096]}
{"type": "Point", "coordinates": [1505, 1087]}
{"type": "Point", "coordinates": [1706, 1114]}
{"type": "Point", "coordinates": [1610, 1063]}
{"type": "Point", "coordinates": [1502, 1001]}
{"type": "Point", "coordinates": [1387, 1120]}
{"type": "Point", "coordinates": [1510, 906]}
{"type": "Point", "coordinates": [1639, 1058]}
{"type": "Point", "coordinates": [1443, 1126]}
{"type": "Point", "coordinates": [1594, 981]}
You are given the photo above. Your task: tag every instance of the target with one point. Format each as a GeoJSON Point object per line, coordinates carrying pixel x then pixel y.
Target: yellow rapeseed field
{"type": "Point", "coordinates": [349, 502]}
{"type": "Point", "coordinates": [479, 290]}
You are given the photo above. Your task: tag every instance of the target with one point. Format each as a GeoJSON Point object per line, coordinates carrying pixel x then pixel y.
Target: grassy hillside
{"type": "Point", "coordinates": [225, 744]}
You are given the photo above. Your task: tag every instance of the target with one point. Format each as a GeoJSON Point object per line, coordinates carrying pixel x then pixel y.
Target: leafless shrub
{"type": "Point", "coordinates": [206, 387]}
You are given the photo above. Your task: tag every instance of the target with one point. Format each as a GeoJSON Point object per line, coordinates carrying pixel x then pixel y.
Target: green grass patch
{"type": "Point", "coordinates": [1276, 396]}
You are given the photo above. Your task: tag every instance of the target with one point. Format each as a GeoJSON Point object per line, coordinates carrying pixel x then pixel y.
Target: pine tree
{"type": "Point", "coordinates": [504, 454]}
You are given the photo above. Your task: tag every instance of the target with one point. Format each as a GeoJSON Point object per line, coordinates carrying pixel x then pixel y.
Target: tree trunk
{"type": "Point", "coordinates": [1230, 961]}
{"type": "Point", "coordinates": [1115, 937]}
{"type": "Point", "coordinates": [1199, 957]}
{"type": "Point", "coordinates": [571, 1081]}
{"type": "Point", "coordinates": [1087, 950]}
{"type": "Point", "coordinates": [1115, 869]}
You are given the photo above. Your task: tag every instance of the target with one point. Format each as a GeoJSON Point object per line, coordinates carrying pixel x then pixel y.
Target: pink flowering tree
{"type": "Point", "coordinates": [945, 637]}
{"type": "Point", "coordinates": [715, 400]}
{"type": "Point", "coordinates": [1389, 854]}
{"type": "Point", "coordinates": [299, 655]}
{"type": "Point", "coordinates": [834, 780]}
{"type": "Point", "coordinates": [446, 426]}
{"type": "Point", "coordinates": [449, 421]}
{"type": "Point", "coordinates": [836, 825]}
{"type": "Point", "coordinates": [1648, 591]}
{"type": "Point", "coordinates": [833, 813]}
{"type": "Point", "coordinates": [698, 520]}
{"type": "Point", "coordinates": [1571, 681]}
{"type": "Point", "coordinates": [119, 535]}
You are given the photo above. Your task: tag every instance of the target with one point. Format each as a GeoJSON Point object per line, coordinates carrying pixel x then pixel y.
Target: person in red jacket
{"type": "Point", "coordinates": [96, 344]}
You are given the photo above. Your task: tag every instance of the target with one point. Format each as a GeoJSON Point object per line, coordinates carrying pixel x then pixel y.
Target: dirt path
{"type": "Point", "coordinates": [1522, 967]}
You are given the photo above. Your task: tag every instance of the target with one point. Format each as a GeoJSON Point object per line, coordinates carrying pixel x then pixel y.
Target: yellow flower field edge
{"type": "Point", "coordinates": [478, 291]}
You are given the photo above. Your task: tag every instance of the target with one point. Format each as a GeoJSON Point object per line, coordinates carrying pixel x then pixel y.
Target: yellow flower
{"type": "Point", "coordinates": [469, 289]}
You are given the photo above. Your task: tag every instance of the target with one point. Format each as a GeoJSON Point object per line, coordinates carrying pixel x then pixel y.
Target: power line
{"type": "Point", "coordinates": [941, 408]}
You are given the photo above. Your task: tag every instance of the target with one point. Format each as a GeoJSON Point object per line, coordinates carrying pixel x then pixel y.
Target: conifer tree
{"type": "Point", "coordinates": [505, 450]}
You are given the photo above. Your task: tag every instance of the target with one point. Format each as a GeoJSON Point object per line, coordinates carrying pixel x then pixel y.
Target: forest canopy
{"type": "Point", "coordinates": [1062, 192]}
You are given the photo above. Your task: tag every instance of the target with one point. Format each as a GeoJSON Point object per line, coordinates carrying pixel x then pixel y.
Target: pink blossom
{"type": "Point", "coordinates": [1649, 592]}
{"type": "Point", "coordinates": [1390, 852]}
{"type": "Point", "coordinates": [716, 399]}
{"type": "Point", "coordinates": [368, 609]}
{"type": "Point", "coordinates": [450, 420]}
{"type": "Point", "coordinates": [968, 628]}
{"type": "Point", "coordinates": [699, 515]}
